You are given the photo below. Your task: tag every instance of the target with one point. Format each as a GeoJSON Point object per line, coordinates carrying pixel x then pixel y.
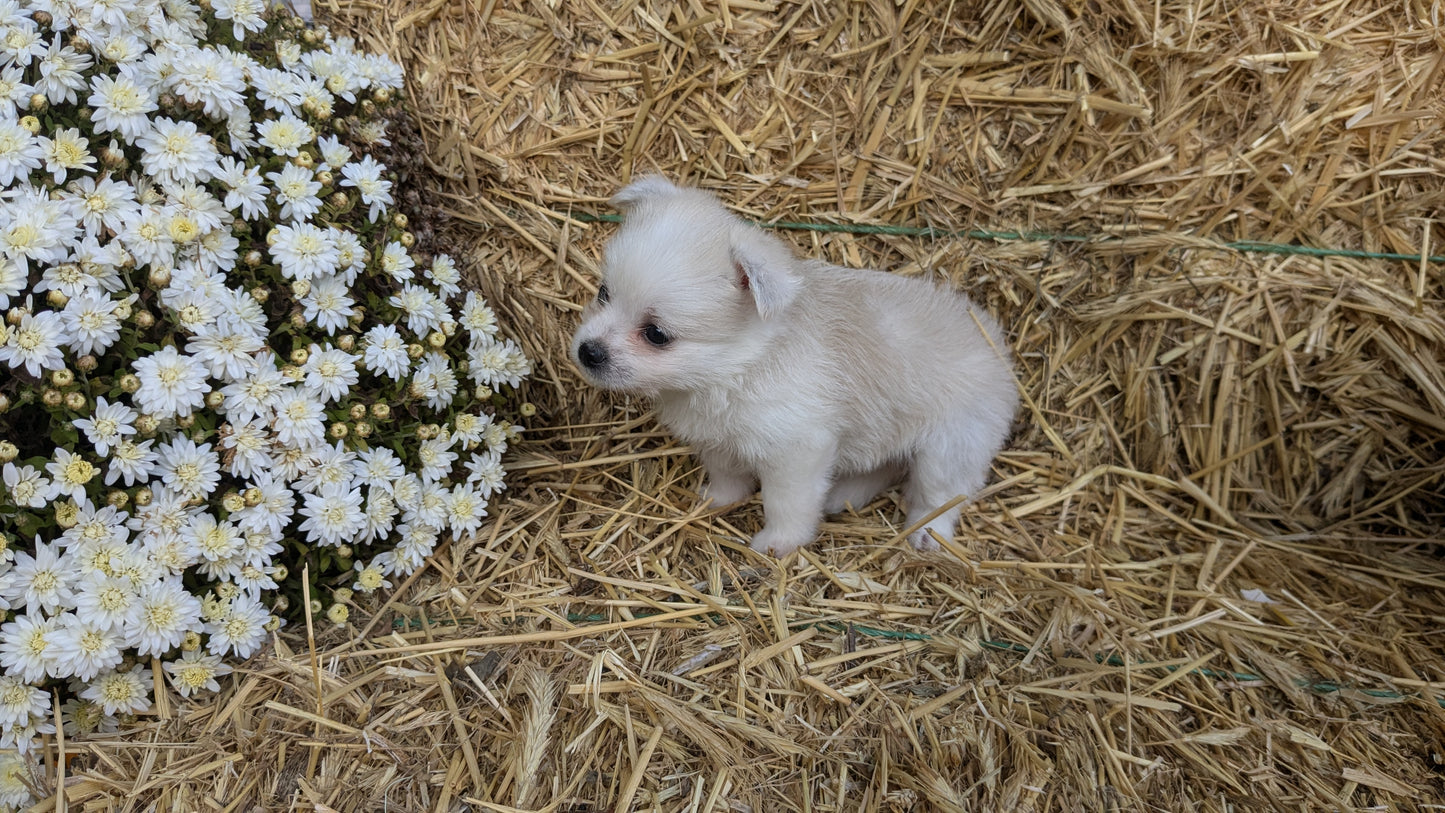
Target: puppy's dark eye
{"type": "Point", "coordinates": [603, 295]}
{"type": "Point", "coordinates": [654, 335]}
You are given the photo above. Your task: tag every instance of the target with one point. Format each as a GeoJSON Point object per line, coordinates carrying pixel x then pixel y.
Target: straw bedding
{"type": "Point", "coordinates": [1206, 575]}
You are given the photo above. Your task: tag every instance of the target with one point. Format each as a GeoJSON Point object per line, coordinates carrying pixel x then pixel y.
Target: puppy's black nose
{"type": "Point", "coordinates": [592, 354]}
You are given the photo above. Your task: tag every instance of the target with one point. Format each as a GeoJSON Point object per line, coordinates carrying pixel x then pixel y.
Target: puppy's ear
{"type": "Point", "coordinates": [640, 190]}
{"type": "Point", "coordinates": [766, 269]}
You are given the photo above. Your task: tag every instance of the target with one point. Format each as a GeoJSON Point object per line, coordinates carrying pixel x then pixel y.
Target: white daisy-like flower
{"type": "Point", "coordinates": [27, 647]}
{"type": "Point", "coordinates": [485, 470]}
{"type": "Point", "coordinates": [107, 424]}
{"type": "Point", "coordinates": [424, 310]}
{"type": "Point", "coordinates": [334, 154]}
{"type": "Point", "coordinates": [60, 72]}
{"type": "Point", "coordinates": [241, 630]}
{"type": "Point", "coordinates": [468, 429]}
{"type": "Point", "coordinates": [23, 43]}
{"type": "Point", "coordinates": [285, 135]}
{"type": "Point", "coordinates": [436, 458]}
{"type": "Point", "coordinates": [330, 373]}
{"type": "Point", "coordinates": [384, 352]}
{"type": "Point", "coordinates": [406, 490]}
{"type": "Point", "coordinates": [255, 579]}
{"type": "Point", "coordinates": [381, 514]}
{"type": "Point", "coordinates": [366, 176]}
{"type": "Point", "coordinates": [20, 152]}
{"type": "Point", "coordinates": [273, 512]}
{"type": "Point", "coordinates": [226, 352]}
{"type": "Point", "coordinates": [255, 395]}
{"type": "Point", "coordinates": [444, 274]}
{"type": "Point", "coordinates": [90, 322]}
{"type": "Point", "coordinates": [416, 543]}
{"type": "Point", "coordinates": [19, 701]}
{"type": "Point", "coordinates": [83, 648]}
{"type": "Point", "coordinates": [372, 132]}
{"type": "Point", "coordinates": [132, 462]}
{"type": "Point", "coordinates": [12, 280]}
{"type": "Point", "coordinates": [215, 540]}
{"type": "Point", "coordinates": [121, 47]}
{"type": "Point", "coordinates": [378, 468]}
{"type": "Point", "coordinates": [145, 235]}
{"type": "Point", "coordinates": [296, 187]}
{"type": "Point", "coordinates": [328, 304]}
{"type": "Point", "coordinates": [192, 471]}
{"type": "Point", "coordinates": [171, 383]}
{"type": "Point", "coordinates": [176, 152]}
{"type": "Point", "coordinates": [350, 255]}
{"type": "Point", "coordinates": [34, 344]}
{"type": "Point", "coordinates": [66, 152]}
{"type": "Point", "coordinates": [166, 611]}
{"type": "Point", "coordinates": [69, 473]}
{"type": "Point", "coordinates": [197, 205]}
{"type": "Point", "coordinates": [333, 518]}
{"type": "Point", "coordinates": [278, 90]}
{"type": "Point", "coordinates": [244, 189]}
{"type": "Point", "coordinates": [494, 363]}
{"type": "Point", "coordinates": [465, 509]}
{"type": "Point", "coordinates": [104, 203]}
{"type": "Point", "coordinates": [247, 447]}
{"type": "Point", "coordinates": [369, 578]}
{"type": "Point", "coordinates": [437, 381]}
{"type": "Point", "coordinates": [431, 504]}
{"type": "Point", "coordinates": [304, 251]}
{"type": "Point", "coordinates": [111, 600]}
{"type": "Point", "coordinates": [396, 263]}
{"type": "Point", "coordinates": [330, 470]}
{"type": "Point", "coordinates": [197, 671]}
{"type": "Point", "coordinates": [122, 105]}
{"type": "Point", "coordinates": [216, 250]}
{"type": "Point", "coordinates": [299, 419]}
{"type": "Point", "coordinates": [210, 77]}
{"type": "Point", "coordinates": [316, 99]}
{"type": "Point", "coordinates": [120, 692]}
{"type": "Point", "coordinates": [25, 486]}
{"type": "Point", "coordinates": [15, 93]}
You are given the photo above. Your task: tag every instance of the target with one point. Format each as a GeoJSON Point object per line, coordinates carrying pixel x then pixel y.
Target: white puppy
{"type": "Point", "coordinates": [827, 384]}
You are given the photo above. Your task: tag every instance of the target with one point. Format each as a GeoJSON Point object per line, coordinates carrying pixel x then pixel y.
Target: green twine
{"type": "Point", "coordinates": [1245, 246]}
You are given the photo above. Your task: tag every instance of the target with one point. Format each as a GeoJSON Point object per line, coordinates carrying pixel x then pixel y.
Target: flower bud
{"type": "Point", "coordinates": [112, 158]}
{"type": "Point", "coordinates": [437, 340]}
{"type": "Point", "coordinates": [215, 398]}
{"type": "Point", "coordinates": [117, 499]}
{"type": "Point", "coordinates": [260, 294]}
{"type": "Point", "coordinates": [8, 451]}
{"type": "Point", "coordinates": [159, 276]}
{"type": "Point", "coordinates": [300, 287]}
{"type": "Point", "coordinates": [233, 502]}
{"type": "Point", "coordinates": [4, 403]}
{"type": "Point", "coordinates": [51, 397]}
{"type": "Point", "coordinates": [449, 327]}
{"type": "Point", "coordinates": [272, 236]}
{"type": "Point", "coordinates": [56, 298]}
{"type": "Point", "coordinates": [325, 178]}
{"type": "Point", "coordinates": [357, 411]}
{"type": "Point", "coordinates": [346, 342]}
{"type": "Point", "coordinates": [274, 622]}
{"type": "Point", "coordinates": [145, 320]}
{"type": "Point", "coordinates": [382, 95]}
{"type": "Point", "coordinates": [337, 614]}
{"type": "Point", "coordinates": [416, 389]}
{"type": "Point", "coordinates": [363, 429]}
{"type": "Point", "coordinates": [298, 320]}
{"type": "Point", "coordinates": [408, 239]}
{"type": "Point", "coordinates": [38, 102]}
{"type": "Point", "coordinates": [279, 573]}
{"type": "Point", "coordinates": [143, 496]}
{"type": "Point", "coordinates": [74, 401]}
{"type": "Point", "coordinates": [483, 393]}
{"type": "Point", "coordinates": [87, 363]}
{"type": "Point", "coordinates": [415, 351]}
{"type": "Point", "coordinates": [300, 355]}
{"type": "Point", "coordinates": [338, 200]}
{"type": "Point", "coordinates": [252, 496]}
{"type": "Point", "coordinates": [191, 642]}
{"type": "Point", "coordinates": [252, 259]}
{"type": "Point", "coordinates": [381, 410]}
{"type": "Point", "coordinates": [147, 424]}
{"type": "Point", "coordinates": [66, 513]}
{"type": "Point", "coordinates": [338, 430]}
{"type": "Point", "coordinates": [292, 373]}
{"type": "Point", "coordinates": [129, 383]}
{"type": "Point", "coordinates": [344, 551]}
{"type": "Point", "coordinates": [62, 377]}
{"type": "Point", "coordinates": [304, 159]}
{"type": "Point", "coordinates": [42, 18]}
{"type": "Point", "coordinates": [30, 123]}
{"type": "Point", "coordinates": [527, 409]}
{"type": "Point", "coordinates": [15, 315]}
{"type": "Point", "coordinates": [186, 421]}
{"type": "Point", "coordinates": [399, 220]}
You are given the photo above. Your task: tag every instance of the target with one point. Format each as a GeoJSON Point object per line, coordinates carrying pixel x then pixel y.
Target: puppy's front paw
{"type": "Point", "coordinates": [725, 491]}
{"type": "Point", "coordinates": [774, 543]}
{"type": "Point", "coordinates": [922, 540]}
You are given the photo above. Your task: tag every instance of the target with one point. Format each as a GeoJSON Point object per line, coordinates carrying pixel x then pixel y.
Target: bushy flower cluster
{"type": "Point", "coordinates": [219, 357]}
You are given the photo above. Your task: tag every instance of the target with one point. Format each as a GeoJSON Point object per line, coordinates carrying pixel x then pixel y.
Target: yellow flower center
{"type": "Point", "coordinates": [78, 472]}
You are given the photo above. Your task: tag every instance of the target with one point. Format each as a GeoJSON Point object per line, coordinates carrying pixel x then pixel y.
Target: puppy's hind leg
{"type": "Point", "coordinates": [950, 462]}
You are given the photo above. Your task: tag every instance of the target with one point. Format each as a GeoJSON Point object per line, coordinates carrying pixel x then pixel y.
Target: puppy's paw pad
{"type": "Point", "coordinates": [775, 544]}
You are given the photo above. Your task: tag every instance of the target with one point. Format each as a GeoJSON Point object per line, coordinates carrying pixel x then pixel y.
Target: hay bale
{"type": "Point", "coordinates": [1207, 574]}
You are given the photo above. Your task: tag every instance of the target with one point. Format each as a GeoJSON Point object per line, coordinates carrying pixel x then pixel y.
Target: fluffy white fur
{"type": "Point", "coordinates": [826, 384]}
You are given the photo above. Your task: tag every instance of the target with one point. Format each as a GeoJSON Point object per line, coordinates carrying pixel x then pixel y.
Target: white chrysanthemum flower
{"type": "Point", "coordinates": [210, 77]}
{"type": "Point", "coordinates": [216, 250]}
{"type": "Point", "coordinates": [20, 152]}
{"type": "Point", "coordinates": [176, 152]}
{"type": "Point", "coordinates": [424, 309]}
{"type": "Point", "coordinates": [494, 363]}
{"type": "Point", "coordinates": [485, 470]}
{"type": "Point", "coordinates": [468, 429]}
{"type": "Point", "coordinates": [299, 419]}
{"type": "Point", "coordinates": [195, 670]}
{"type": "Point", "coordinates": [369, 578]}
{"type": "Point", "coordinates": [25, 486]}
{"type": "Point", "coordinates": [215, 540]}
{"type": "Point", "coordinates": [444, 274]}
{"type": "Point", "coordinates": [120, 692]}
{"type": "Point", "coordinates": [334, 154]}
{"type": "Point", "coordinates": [197, 205]}
{"type": "Point", "coordinates": [27, 647]}
{"type": "Point", "coordinates": [66, 152]}
{"type": "Point", "coordinates": [385, 352]}
{"type": "Point", "coordinates": [241, 311]}
{"type": "Point", "coordinates": [132, 462]}
{"type": "Point", "coordinates": [105, 202]}
{"type": "Point", "coordinates": [350, 255]}
{"type": "Point", "coordinates": [23, 43]}
{"type": "Point", "coordinates": [416, 543]}
{"type": "Point", "coordinates": [331, 470]}
{"type": "Point", "coordinates": [192, 471]}
{"type": "Point", "coordinates": [226, 352]}
{"type": "Point", "coordinates": [255, 579]}
{"type": "Point", "coordinates": [60, 72]}
{"type": "Point", "coordinates": [34, 344]}
{"type": "Point", "coordinates": [107, 424]}
{"type": "Point", "coordinates": [90, 322]}
{"type": "Point", "coordinates": [19, 701]}
{"type": "Point", "coordinates": [107, 599]}
{"type": "Point", "coordinates": [247, 447]}
{"type": "Point", "coordinates": [333, 518]}
{"type": "Point", "coordinates": [378, 468]}
{"type": "Point", "coordinates": [69, 473]}
{"type": "Point", "coordinates": [12, 280]}
{"type": "Point", "coordinates": [296, 187]}
{"type": "Point", "coordinates": [122, 105]}
{"type": "Point", "coordinates": [330, 373]}
{"type": "Point", "coordinates": [145, 235]}
{"type": "Point", "coordinates": [396, 263]}
{"type": "Point", "coordinates": [465, 509]}
{"type": "Point", "coordinates": [285, 135]}
{"type": "Point", "coordinates": [83, 648]}
{"type": "Point", "coordinates": [121, 47]}
{"type": "Point", "coordinates": [381, 514]}
{"type": "Point", "coordinates": [14, 92]}
{"type": "Point", "coordinates": [244, 189]}
{"type": "Point", "coordinates": [241, 630]}
{"type": "Point", "coordinates": [366, 176]}
{"type": "Point", "coordinates": [278, 90]}
{"type": "Point", "coordinates": [431, 504]}
{"type": "Point", "coordinates": [406, 490]}
{"type": "Point", "coordinates": [256, 394]}
{"type": "Point", "coordinates": [328, 304]}
{"type": "Point", "coordinates": [436, 380]}
{"type": "Point", "coordinates": [304, 251]}
{"type": "Point", "coordinates": [274, 511]}
{"type": "Point", "coordinates": [166, 612]}
{"type": "Point", "coordinates": [436, 458]}
{"type": "Point", "coordinates": [170, 383]}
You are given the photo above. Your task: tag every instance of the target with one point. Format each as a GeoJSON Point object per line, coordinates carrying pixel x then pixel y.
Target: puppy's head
{"type": "Point", "coordinates": [690, 294]}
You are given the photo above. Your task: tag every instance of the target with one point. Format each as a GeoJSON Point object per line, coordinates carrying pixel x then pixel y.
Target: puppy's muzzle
{"type": "Point", "coordinates": [592, 355]}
